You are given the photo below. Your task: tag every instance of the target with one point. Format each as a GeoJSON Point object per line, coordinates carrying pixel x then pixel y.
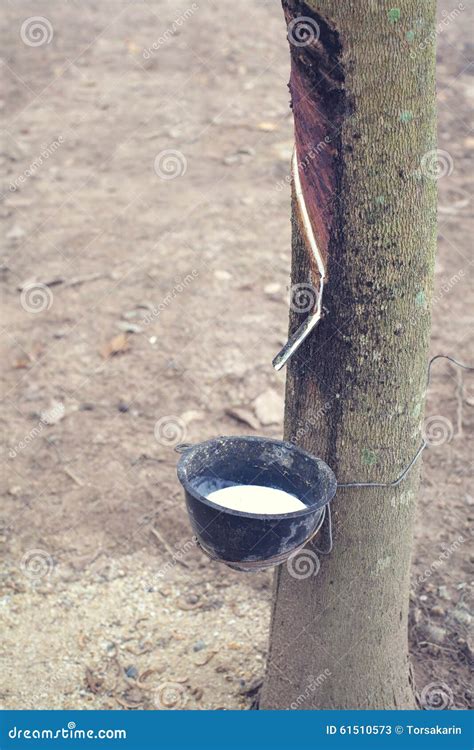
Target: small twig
{"type": "Point", "coordinates": [55, 281]}
{"type": "Point", "coordinates": [60, 280]}
{"type": "Point", "coordinates": [76, 280]}
{"type": "Point", "coordinates": [73, 476]}
{"type": "Point", "coordinates": [167, 547]}
{"type": "Point", "coordinates": [125, 704]}
{"type": "Point", "coordinates": [436, 645]}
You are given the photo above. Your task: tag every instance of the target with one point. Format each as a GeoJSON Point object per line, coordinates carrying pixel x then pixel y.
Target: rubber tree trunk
{"type": "Point", "coordinates": [363, 97]}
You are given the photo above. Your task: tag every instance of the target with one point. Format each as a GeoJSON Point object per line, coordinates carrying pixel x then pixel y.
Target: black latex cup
{"type": "Point", "coordinates": [249, 541]}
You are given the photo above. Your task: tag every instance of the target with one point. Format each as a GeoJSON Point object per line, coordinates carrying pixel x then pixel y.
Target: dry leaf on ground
{"type": "Point", "coordinates": [117, 345]}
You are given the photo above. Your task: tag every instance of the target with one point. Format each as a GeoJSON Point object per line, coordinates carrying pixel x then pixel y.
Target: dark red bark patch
{"type": "Point", "coordinates": [318, 102]}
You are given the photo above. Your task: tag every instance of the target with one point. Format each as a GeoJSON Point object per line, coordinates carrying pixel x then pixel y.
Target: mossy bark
{"type": "Point", "coordinates": [355, 389]}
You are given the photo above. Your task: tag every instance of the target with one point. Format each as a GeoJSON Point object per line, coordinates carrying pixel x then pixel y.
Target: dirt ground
{"type": "Point", "coordinates": [179, 264]}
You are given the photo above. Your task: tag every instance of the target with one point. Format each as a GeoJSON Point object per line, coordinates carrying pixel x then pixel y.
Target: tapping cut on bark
{"type": "Point", "coordinates": [319, 104]}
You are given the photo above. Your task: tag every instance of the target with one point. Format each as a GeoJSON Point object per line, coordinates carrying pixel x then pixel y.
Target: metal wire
{"type": "Point", "coordinates": [327, 517]}
{"type": "Point", "coordinates": [422, 446]}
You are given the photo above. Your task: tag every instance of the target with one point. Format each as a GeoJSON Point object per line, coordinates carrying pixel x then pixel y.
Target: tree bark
{"type": "Point", "coordinates": [363, 97]}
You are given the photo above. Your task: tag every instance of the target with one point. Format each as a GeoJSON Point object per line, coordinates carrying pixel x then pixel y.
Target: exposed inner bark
{"type": "Point", "coordinates": [318, 103]}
